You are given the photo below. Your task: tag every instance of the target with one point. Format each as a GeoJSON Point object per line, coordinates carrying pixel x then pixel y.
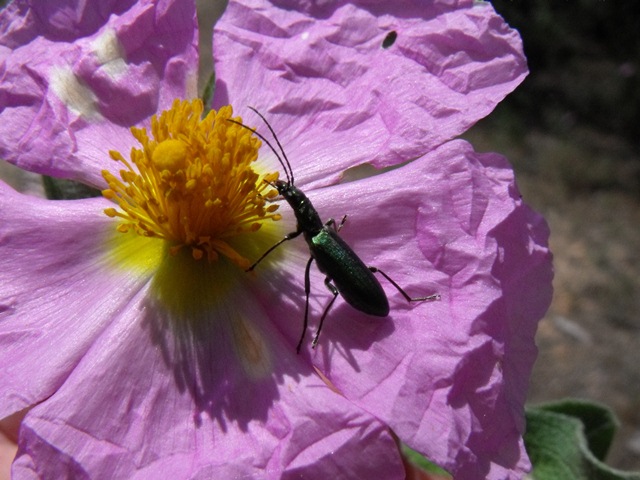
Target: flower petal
{"type": "Point", "coordinates": [147, 401]}
{"type": "Point", "coordinates": [450, 376]}
{"type": "Point", "coordinates": [337, 98]}
{"type": "Point", "coordinates": [77, 75]}
{"type": "Point", "coordinates": [56, 295]}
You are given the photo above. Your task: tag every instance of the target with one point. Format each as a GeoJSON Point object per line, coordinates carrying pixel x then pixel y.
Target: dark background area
{"type": "Point", "coordinates": [571, 132]}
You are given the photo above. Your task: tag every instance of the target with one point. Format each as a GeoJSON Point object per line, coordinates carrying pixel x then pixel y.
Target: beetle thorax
{"type": "Point", "coordinates": [308, 219]}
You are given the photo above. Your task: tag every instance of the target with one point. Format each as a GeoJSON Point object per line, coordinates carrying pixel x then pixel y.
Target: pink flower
{"type": "Point", "coordinates": [151, 353]}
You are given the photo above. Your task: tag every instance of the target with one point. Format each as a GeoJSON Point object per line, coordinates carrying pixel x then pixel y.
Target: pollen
{"type": "Point", "coordinates": [193, 182]}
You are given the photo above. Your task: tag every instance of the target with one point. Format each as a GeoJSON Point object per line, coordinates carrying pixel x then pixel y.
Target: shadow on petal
{"type": "Point", "coordinates": [217, 339]}
{"type": "Point", "coordinates": [347, 329]}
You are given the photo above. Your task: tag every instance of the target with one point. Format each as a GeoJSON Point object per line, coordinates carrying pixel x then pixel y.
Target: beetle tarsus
{"type": "Point", "coordinates": [435, 296]}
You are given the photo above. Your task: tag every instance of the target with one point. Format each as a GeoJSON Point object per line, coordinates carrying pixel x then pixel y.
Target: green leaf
{"type": "Point", "coordinates": [600, 424]}
{"type": "Point", "coordinates": [569, 440]}
{"type": "Point", "coordinates": [61, 189]}
{"type": "Point", "coordinates": [207, 95]}
{"type": "Point", "coordinates": [421, 462]}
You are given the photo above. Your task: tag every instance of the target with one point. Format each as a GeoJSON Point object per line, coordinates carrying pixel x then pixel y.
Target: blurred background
{"type": "Point", "coordinates": [571, 130]}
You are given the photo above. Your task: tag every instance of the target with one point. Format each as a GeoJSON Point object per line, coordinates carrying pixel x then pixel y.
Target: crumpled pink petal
{"type": "Point", "coordinates": [320, 75]}
{"type": "Point", "coordinates": [69, 91]}
{"type": "Point", "coordinates": [53, 306]}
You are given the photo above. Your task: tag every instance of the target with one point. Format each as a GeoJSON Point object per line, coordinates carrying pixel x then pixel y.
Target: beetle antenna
{"type": "Point", "coordinates": [261, 137]}
{"type": "Point", "coordinates": [290, 174]}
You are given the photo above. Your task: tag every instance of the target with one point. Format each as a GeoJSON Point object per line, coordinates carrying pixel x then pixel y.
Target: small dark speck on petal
{"type": "Point", "coordinates": [390, 39]}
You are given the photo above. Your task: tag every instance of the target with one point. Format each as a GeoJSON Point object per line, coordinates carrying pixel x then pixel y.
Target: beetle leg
{"type": "Point", "coordinates": [332, 288]}
{"type": "Point", "coordinates": [307, 290]}
{"type": "Point", "coordinates": [332, 223]}
{"type": "Point", "coordinates": [288, 236]}
{"type": "Point", "coordinates": [277, 198]}
{"type": "Point", "coordinates": [399, 288]}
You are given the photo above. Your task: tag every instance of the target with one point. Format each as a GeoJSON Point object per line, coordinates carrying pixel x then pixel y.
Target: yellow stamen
{"type": "Point", "coordinates": [192, 183]}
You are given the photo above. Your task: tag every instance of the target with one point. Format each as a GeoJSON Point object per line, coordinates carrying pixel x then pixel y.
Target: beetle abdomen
{"type": "Point", "coordinates": [353, 279]}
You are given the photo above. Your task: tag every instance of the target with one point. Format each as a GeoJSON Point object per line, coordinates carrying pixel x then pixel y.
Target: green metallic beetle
{"type": "Point", "coordinates": [345, 273]}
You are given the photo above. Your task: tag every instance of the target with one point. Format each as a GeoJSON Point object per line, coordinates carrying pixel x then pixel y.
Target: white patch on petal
{"type": "Point", "coordinates": [191, 87]}
{"type": "Point", "coordinates": [304, 35]}
{"type": "Point", "coordinates": [110, 54]}
{"type": "Point", "coordinates": [252, 349]}
{"type": "Point", "coordinates": [74, 94]}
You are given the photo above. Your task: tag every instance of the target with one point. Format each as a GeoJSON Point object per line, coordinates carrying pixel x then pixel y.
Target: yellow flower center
{"type": "Point", "coordinates": [192, 183]}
